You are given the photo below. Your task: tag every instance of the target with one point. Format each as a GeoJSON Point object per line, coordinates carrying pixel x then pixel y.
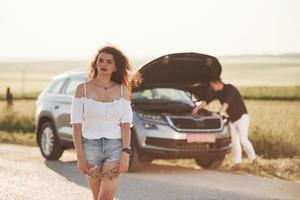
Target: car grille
{"type": "Point", "coordinates": [191, 123]}
{"type": "Point", "coordinates": [184, 145]}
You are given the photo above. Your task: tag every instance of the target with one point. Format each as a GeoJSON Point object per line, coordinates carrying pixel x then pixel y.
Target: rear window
{"type": "Point", "coordinates": [57, 87]}
{"type": "Point", "coordinates": [72, 85]}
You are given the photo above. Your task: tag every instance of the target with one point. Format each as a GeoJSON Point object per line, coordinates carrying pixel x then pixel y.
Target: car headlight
{"type": "Point", "coordinates": [149, 125]}
{"type": "Point", "coordinates": [152, 118]}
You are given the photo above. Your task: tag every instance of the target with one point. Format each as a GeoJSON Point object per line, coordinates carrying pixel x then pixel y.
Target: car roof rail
{"type": "Point", "coordinates": [71, 72]}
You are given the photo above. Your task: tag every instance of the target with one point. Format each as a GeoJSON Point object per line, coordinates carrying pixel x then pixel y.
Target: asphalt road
{"type": "Point", "coordinates": [24, 174]}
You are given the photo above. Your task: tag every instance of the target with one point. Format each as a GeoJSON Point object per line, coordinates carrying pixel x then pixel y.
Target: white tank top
{"type": "Point", "coordinates": [101, 119]}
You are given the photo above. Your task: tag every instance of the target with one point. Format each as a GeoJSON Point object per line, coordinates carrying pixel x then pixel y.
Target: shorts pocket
{"type": "Point", "coordinates": [115, 144]}
{"type": "Point", "coordinates": [114, 156]}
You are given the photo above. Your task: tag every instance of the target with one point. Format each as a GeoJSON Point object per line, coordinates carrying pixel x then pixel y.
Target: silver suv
{"type": "Point", "coordinates": [162, 105]}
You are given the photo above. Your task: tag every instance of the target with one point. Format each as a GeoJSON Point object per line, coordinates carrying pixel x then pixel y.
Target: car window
{"type": "Point", "coordinates": [163, 94]}
{"type": "Point", "coordinates": [56, 87]}
{"type": "Point", "coordinates": [72, 85]}
{"type": "Point", "coordinates": [170, 94]}
{"type": "Point", "coordinates": [145, 94]}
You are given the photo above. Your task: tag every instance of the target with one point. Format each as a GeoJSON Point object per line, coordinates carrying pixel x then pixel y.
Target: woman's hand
{"type": "Point", "coordinates": [124, 162]}
{"type": "Point", "coordinates": [83, 165]}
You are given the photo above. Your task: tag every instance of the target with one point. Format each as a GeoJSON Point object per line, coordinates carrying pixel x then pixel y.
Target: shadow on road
{"type": "Point", "coordinates": [165, 169]}
{"type": "Point", "coordinates": [68, 170]}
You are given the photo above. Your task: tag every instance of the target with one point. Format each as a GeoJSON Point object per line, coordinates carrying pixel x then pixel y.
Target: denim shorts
{"type": "Point", "coordinates": [101, 151]}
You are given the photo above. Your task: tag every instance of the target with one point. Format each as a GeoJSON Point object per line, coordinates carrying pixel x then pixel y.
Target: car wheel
{"type": "Point", "coordinates": [135, 164]}
{"type": "Point", "coordinates": [210, 163]}
{"type": "Point", "coordinates": [49, 142]}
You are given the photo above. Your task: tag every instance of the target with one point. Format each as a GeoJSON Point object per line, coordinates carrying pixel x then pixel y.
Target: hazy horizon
{"type": "Point", "coordinates": [241, 71]}
{"type": "Point", "coordinates": [17, 60]}
{"type": "Point", "coordinates": [68, 30]}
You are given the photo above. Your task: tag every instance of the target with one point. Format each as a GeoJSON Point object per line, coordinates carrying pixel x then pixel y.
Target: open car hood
{"type": "Point", "coordinates": [186, 71]}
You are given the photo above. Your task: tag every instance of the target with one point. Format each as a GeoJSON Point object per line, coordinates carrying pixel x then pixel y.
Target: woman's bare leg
{"type": "Point", "coordinates": [95, 184]}
{"type": "Point", "coordinates": [108, 186]}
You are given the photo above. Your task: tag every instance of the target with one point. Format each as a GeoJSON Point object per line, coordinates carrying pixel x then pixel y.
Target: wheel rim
{"type": "Point", "coordinates": [47, 141]}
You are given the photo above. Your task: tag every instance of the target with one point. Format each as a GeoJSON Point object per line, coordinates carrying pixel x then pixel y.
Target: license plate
{"type": "Point", "coordinates": [201, 137]}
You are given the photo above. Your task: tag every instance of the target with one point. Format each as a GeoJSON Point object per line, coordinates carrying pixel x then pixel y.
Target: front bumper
{"type": "Point", "coordinates": [169, 148]}
{"type": "Point", "coordinates": [162, 140]}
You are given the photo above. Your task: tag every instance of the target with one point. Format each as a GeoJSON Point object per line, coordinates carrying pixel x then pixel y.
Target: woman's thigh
{"type": "Point", "coordinates": [95, 183]}
{"type": "Point", "coordinates": [109, 185]}
{"type": "Point", "coordinates": [110, 168]}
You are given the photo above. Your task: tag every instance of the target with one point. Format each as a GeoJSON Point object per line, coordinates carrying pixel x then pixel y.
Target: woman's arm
{"type": "Point", "coordinates": [77, 127]}
{"type": "Point", "coordinates": [77, 140]}
{"type": "Point", "coordinates": [126, 134]}
{"type": "Point", "coordinates": [82, 164]}
{"type": "Point", "coordinates": [126, 138]}
{"type": "Point", "coordinates": [125, 127]}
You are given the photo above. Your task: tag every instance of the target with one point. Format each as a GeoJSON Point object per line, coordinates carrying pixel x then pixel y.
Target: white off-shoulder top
{"type": "Point", "coordinates": [101, 119]}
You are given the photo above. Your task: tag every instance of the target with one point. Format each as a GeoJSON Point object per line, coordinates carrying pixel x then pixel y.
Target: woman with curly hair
{"type": "Point", "coordinates": [101, 116]}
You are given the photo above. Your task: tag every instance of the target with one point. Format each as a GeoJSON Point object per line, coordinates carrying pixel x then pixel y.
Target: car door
{"type": "Point", "coordinates": [63, 120]}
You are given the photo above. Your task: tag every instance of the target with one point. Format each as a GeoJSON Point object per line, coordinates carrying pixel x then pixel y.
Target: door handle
{"type": "Point", "coordinates": [55, 107]}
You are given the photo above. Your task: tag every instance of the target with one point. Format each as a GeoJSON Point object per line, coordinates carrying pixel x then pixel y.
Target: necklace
{"type": "Point", "coordinates": [105, 86]}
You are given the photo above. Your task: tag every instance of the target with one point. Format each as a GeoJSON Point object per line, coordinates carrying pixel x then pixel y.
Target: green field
{"type": "Point", "coordinates": [261, 70]}
{"type": "Point", "coordinates": [32, 77]}
{"type": "Point", "coordinates": [274, 125]}
{"type": "Point", "coordinates": [271, 92]}
{"type": "Point", "coordinates": [258, 93]}
{"type": "Point", "coordinates": [28, 77]}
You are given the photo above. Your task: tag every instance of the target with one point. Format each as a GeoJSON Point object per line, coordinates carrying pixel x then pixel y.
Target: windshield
{"type": "Point", "coordinates": [164, 94]}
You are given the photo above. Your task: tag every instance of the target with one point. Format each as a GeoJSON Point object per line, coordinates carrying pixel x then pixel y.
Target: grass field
{"type": "Point", "coordinates": [271, 92]}
{"type": "Point", "coordinates": [261, 71]}
{"type": "Point", "coordinates": [251, 71]}
{"type": "Point", "coordinates": [258, 93]}
{"type": "Point", "coordinates": [32, 77]}
{"type": "Point", "coordinates": [274, 125]}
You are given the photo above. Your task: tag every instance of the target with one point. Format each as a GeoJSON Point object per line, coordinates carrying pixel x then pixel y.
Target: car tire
{"type": "Point", "coordinates": [210, 163]}
{"type": "Point", "coordinates": [135, 164]}
{"type": "Point", "coordinates": [49, 142]}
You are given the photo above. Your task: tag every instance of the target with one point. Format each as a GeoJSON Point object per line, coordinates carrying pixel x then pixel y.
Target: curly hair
{"type": "Point", "coordinates": [122, 64]}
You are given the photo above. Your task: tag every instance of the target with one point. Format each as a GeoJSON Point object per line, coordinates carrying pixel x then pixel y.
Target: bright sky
{"type": "Point", "coordinates": [74, 29]}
